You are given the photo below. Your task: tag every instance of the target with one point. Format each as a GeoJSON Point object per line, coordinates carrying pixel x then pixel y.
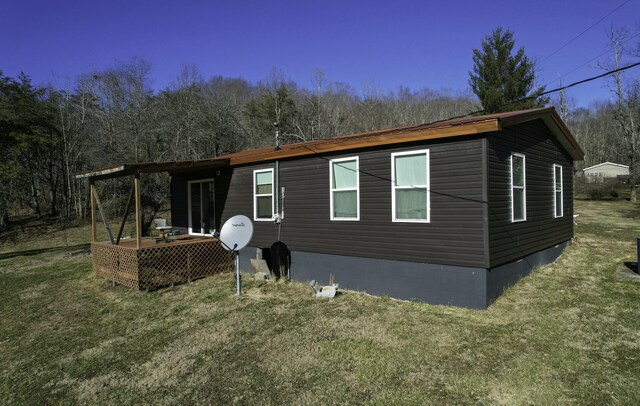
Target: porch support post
{"type": "Point", "coordinates": [126, 214]}
{"type": "Point", "coordinates": [136, 184]}
{"type": "Point", "coordinates": [102, 216]}
{"type": "Point", "coordinates": [93, 213]}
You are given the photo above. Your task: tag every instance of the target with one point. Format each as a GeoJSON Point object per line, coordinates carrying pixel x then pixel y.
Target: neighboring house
{"type": "Point", "coordinates": [451, 212]}
{"type": "Point", "coordinates": [606, 170]}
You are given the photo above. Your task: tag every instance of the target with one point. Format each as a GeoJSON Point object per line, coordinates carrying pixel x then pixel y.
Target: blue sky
{"type": "Point", "coordinates": [385, 44]}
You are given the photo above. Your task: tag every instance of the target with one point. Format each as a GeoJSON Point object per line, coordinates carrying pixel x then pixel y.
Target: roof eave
{"type": "Point", "coordinates": [170, 167]}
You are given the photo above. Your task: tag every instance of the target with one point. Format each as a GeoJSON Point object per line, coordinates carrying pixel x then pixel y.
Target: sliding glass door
{"type": "Point", "coordinates": [201, 207]}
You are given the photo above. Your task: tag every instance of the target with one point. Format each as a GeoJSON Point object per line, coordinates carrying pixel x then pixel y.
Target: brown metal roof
{"type": "Point", "coordinates": [464, 126]}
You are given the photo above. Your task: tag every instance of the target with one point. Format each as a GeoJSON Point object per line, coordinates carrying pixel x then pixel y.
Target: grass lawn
{"type": "Point", "coordinates": [567, 334]}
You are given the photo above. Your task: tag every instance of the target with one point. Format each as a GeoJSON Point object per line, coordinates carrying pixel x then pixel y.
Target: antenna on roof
{"type": "Point", "coordinates": [277, 126]}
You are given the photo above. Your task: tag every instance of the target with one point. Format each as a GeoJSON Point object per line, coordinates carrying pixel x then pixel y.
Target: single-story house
{"type": "Point", "coordinates": [451, 212]}
{"type": "Point", "coordinates": [606, 170]}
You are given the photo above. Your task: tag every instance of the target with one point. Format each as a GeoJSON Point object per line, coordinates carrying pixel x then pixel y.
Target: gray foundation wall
{"type": "Point", "coordinates": [467, 287]}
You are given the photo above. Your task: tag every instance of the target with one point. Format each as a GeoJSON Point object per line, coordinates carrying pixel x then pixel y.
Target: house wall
{"type": "Point", "coordinates": [512, 241]}
{"type": "Point", "coordinates": [453, 237]}
{"type": "Point", "coordinates": [467, 255]}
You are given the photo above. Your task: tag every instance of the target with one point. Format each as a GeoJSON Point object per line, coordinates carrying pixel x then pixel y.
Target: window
{"type": "Point", "coordinates": [557, 191]}
{"type": "Point", "coordinates": [201, 207]}
{"type": "Point", "coordinates": [518, 188]}
{"type": "Point", "coordinates": [263, 195]}
{"type": "Point", "coordinates": [410, 186]}
{"type": "Point", "coordinates": [345, 189]}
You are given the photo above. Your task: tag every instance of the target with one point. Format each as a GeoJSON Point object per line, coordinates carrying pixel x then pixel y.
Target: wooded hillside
{"type": "Point", "coordinates": [48, 134]}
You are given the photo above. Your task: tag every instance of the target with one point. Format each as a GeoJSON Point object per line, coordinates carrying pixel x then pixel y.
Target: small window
{"type": "Point", "coordinates": [518, 188]}
{"type": "Point", "coordinates": [345, 189]}
{"type": "Point", "coordinates": [410, 186]}
{"type": "Point", "coordinates": [557, 191]}
{"type": "Point", "coordinates": [263, 195]}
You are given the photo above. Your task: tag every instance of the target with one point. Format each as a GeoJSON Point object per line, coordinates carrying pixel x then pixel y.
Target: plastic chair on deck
{"type": "Point", "coordinates": [161, 225]}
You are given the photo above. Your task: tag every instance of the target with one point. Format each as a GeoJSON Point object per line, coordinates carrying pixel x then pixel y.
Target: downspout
{"type": "Point", "coordinates": [276, 192]}
{"type": "Point", "coordinates": [276, 184]}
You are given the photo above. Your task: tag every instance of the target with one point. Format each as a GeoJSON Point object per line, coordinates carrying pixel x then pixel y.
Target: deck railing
{"type": "Point", "coordinates": [164, 264]}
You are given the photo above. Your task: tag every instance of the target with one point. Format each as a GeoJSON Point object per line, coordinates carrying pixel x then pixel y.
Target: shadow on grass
{"type": "Point", "coordinates": [633, 266]}
{"type": "Point", "coordinates": [84, 248]}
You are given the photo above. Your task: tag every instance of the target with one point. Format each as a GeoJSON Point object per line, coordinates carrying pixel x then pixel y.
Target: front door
{"type": "Point", "coordinates": [201, 207]}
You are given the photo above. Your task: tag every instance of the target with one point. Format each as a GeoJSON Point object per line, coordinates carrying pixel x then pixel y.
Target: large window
{"type": "Point", "coordinates": [410, 186]}
{"type": "Point", "coordinates": [201, 207]}
{"type": "Point", "coordinates": [263, 195]}
{"type": "Point", "coordinates": [518, 188]}
{"type": "Point", "coordinates": [345, 189]}
{"type": "Point", "coordinates": [557, 191]}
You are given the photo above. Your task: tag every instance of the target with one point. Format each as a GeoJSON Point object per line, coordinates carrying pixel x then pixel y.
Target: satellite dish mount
{"type": "Point", "coordinates": [234, 236]}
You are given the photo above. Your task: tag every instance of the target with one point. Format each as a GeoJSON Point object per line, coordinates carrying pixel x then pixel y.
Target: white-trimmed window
{"type": "Point", "coordinates": [345, 188]}
{"type": "Point", "coordinates": [410, 196]}
{"type": "Point", "coordinates": [518, 188]}
{"type": "Point", "coordinates": [557, 191]}
{"type": "Point", "coordinates": [263, 208]}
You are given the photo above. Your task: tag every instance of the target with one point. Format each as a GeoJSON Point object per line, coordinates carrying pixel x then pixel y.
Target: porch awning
{"type": "Point", "coordinates": [126, 169]}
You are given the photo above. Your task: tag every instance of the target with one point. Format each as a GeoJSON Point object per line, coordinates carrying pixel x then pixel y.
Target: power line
{"type": "Point", "coordinates": [579, 35]}
{"type": "Point", "coordinates": [633, 65]}
{"type": "Point", "coordinates": [590, 60]}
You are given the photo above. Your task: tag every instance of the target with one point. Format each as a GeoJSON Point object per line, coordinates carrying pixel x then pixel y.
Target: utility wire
{"type": "Point", "coordinates": [590, 60]}
{"type": "Point", "coordinates": [633, 65]}
{"type": "Point", "coordinates": [579, 35]}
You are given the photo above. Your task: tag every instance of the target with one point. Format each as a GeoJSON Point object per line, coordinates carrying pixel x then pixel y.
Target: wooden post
{"type": "Point", "coordinates": [136, 184]}
{"type": "Point", "coordinates": [102, 216]}
{"type": "Point", "coordinates": [93, 213]}
{"type": "Point", "coordinates": [126, 214]}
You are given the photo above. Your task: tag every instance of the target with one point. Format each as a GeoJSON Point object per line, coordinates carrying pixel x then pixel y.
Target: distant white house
{"type": "Point", "coordinates": [606, 170]}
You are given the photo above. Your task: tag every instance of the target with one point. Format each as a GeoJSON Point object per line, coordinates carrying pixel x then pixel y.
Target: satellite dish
{"type": "Point", "coordinates": [236, 233]}
{"type": "Point", "coordinates": [234, 236]}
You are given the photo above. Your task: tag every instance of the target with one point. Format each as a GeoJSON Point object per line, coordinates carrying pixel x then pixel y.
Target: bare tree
{"type": "Point", "coordinates": [626, 111]}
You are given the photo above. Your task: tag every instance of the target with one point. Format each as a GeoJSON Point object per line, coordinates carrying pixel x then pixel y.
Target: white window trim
{"type": "Point", "coordinates": [189, 183]}
{"type": "Point", "coordinates": [555, 202]}
{"type": "Point", "coordinates": [357, 188]}
{"type": "Point", "coordinates": [394, 187]}
{"type": "Point", "coordinates": [255, 196]}
{"type": "Point", "coordinates": [523, 187]}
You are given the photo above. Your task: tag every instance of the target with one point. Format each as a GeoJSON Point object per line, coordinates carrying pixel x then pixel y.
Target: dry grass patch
{"type": "Point", "coordinates": [567, 334]}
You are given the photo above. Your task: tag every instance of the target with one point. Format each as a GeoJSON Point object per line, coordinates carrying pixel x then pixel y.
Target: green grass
{"type": "Point", "coordinates": [567, 334]}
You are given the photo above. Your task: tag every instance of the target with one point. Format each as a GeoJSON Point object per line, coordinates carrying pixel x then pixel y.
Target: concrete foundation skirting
{"type": "Point", "coordinates": [430, 283]}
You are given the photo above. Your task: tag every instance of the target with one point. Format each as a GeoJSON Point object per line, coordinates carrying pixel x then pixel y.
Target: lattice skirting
{"type": "Point", "coordinates": [164, 265]}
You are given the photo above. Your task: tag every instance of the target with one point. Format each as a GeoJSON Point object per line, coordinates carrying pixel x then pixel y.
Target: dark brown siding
{"type": "Point", "coordinates": [454, 236]}
{"type": "Point", "coordinates": [510, 241]}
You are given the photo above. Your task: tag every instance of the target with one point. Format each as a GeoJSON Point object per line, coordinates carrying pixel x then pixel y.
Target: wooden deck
{"type": "Point", "coordinates": [149, 242]}
{"type": "Point", "coordinates": [157, 264]}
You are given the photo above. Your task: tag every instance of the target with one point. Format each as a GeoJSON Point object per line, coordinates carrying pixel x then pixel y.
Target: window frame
{"type": "Point", "coordinates": [555, 200]}
{"type": "Point", "coordinates": [256, 195]}
{"type": "Point", "coordinates": [189, 208]}
{"type": "Point", "coordinates": [332, 190]}
{"type": "Point", "coordinates": [523, 187]}
{"type": "Point", "coordinates": [394, 187]}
